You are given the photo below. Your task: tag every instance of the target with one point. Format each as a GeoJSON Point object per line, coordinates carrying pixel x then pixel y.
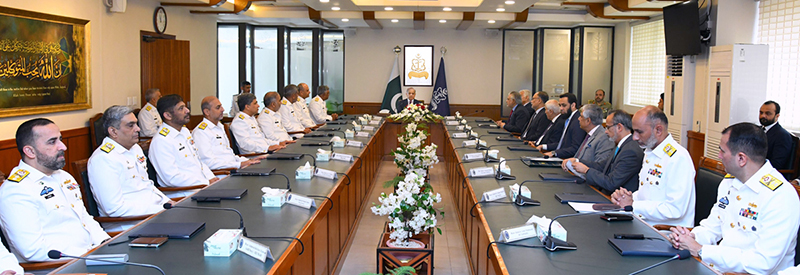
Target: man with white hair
{"type": "Point", "coordinates": [526, 99]}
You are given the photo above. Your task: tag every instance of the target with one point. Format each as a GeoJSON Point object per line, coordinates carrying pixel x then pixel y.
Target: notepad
{"type": "Point", "coordinates": [253, 171]}
{"type": "Point", "coordinates": [531, 162]}
{"type": "Point", "coordinates": [219, 194]}
{"type": "Point", "coordinates": [285, 156]}
{"type": "Point", "coordinates": [647, 247]}
{"type": "Point", "coordinates": [558, 177]}
{"type": "Point", "coordinates": [580, 197]}
{"type": "Point", "coordinates": [172, 230]}
{"type": "Point", "coordinates": [522, 148]}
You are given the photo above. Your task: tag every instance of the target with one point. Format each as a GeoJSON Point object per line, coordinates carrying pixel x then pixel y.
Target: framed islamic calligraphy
{"type": "Point", "coordinates": [418, 65]}
{"type": "Point", "coordinates": [44, 65]}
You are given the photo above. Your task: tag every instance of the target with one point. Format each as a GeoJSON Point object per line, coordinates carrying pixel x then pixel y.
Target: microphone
{"type": "Point", "coordinates": [500, 175]}
{"type": "Point", "coordinates": [318, 135]}
{"type": "Point", "coordinates": [682, 254]}
{"type": "Point", "coordinates": [553, 244]}
{"type": "Point", "coordinates": [522, 200]}
{"type": "Point", "coordinates": [473, 113]}
{"type": "Point", "coordinates": [55, 254]}
{"type": "Point", "coordinates": [241, 219]}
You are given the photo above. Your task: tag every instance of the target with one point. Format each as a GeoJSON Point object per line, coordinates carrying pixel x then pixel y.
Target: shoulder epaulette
{"type": "Point", "coordinates": [266, 111]}
{"type": "Point", "coordinates": [669, 149]}
{"type": "Point", "coordinates": [284, 101]}
{"type": "Point", "coordinates": [241, 116]}
{"type": "Point", "coordinates": [107, 147]}
{"type": "Point", "coordinates": [19, 175]}
{"type": "Point", "coordinates": [316, 99]}
{"type": "Point", "coordinates": [729, 176]}
{"type": "Point", "coordinates": [770, 182]}
{"type": "Point", "coordinates": [202, 126]}
{"type": "Point", "coordinates": [148, 108]}
{"type": "Point", "coordinates": [164, 131]}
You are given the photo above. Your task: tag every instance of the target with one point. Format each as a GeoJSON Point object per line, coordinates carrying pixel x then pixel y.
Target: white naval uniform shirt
{"type": "Point", "coordinates": [318, 110]}
{"type": "Point", "coordinates": [666, 186]}
{"type": "Point", "coordinates": [9, 262]}
{"type": "Point", "coordinates": [120, 184]}
{"type": "Point", "coordinates": [270, 123]}
{"type": "Point", "coordinates": [248, 135]}
{"type": "Point", "coordinates": [235, 106]}
{"type": "Point", "coordinates": [289, 118]}
{"type": "Point", "coordinates": [301, 111]}
{"type": "Point", "coordinates": [149, 120]}
{"type": "Point", "coordinates": [757, 222]}
{"type": "Point", "coordinates": [40, 213]}
{"type": "Point", "coordinates": [214, 147]}
{"type": "Point", "coordinates": [176, 160]}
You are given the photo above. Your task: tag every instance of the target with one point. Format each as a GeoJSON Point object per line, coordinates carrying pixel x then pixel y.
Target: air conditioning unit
{"type": "Point", "coordinates": [116, 5]}
{"type": "Point", "coordinates": [679, 96]}
{"type": "Point", "coordinates": [737, 88]}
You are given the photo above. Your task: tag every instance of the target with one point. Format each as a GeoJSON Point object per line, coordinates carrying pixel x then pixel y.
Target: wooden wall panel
{"type": "Point", "coordinates": [165, 65]}
{"type": "Point", "coordinates": [76, 140]}
{"type": "Point", "coordinates": [696, 146]}
{"type": "Point", "coordinates": [472, 110]}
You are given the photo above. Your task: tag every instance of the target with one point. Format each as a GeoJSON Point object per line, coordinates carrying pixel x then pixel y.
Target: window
{"type": "Point", "coordinates": [227, 63]}
{"type": "Point", "coordinates": [266, 70]}
{"type": "Point", "coordinates": [647, 64]}
{"type": "Point", "coordinates": [779, 27]}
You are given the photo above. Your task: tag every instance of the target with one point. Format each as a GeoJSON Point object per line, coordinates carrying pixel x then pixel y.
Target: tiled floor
{"type": "Point", "coordinates": [449, 256]}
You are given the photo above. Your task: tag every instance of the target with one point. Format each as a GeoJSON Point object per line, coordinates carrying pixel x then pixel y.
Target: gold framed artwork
{"type": "Point", "coordinates": [44, 63]}
{"type": "Point", "coordinates": [418, 65]}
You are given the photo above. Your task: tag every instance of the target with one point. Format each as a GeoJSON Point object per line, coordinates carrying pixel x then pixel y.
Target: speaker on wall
{"type": "Point", "coordinates": [116, 5]}
{"type": "Point", "coordinates": [349, 32]}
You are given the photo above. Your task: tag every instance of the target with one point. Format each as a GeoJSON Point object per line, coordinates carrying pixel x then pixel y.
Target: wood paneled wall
{"type": "Point", "coordinates": [165, 65]}
{"type": "Point", "coordinates": [78, 148]}
{"type": "Point", "coordinates": [473, 110]}
{"type": "Point", "coordinates": [696, 146]}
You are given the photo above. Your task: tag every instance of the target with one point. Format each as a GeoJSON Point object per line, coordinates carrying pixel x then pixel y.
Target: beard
{"type": "Point", "coordinates": [650, 143]}
{"type": "Point", "coordinates": [765, 121]}
{"type": "Point", "coordinates": [53, 163]}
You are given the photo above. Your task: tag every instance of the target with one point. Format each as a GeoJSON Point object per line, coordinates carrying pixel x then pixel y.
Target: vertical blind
{"type": "Point", "coordinates": [779, 27]}
{"type": "Point", "coordinates": [647, 64]}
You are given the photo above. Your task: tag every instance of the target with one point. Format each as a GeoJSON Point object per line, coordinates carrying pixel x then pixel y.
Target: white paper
{"type": "Point", "coordinates": [324, 173]}
{"type": "Point", "coordinates": [493, 195]}
{"type": "Point", "coordinates": [572, 169]}
{"type": "Point", "coordinates": [301, 201]}
{"type": "Point", "coordinates": [545, 159]}
{"type": "Point", "coordinates": [582, 207]}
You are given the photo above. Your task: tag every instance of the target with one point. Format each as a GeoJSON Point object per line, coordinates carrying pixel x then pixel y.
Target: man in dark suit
{"type": "Point", "coordinates": [519, 114]}
{"type": "Point", "coordinates": [596, 148]}
{"type": "Point", "coordinates": [555, 124]}
{"type": "Point", "coordinates": [412, 95]}
{"type": "Point", "coordinates": [572, 136]}
{"type": "Point", "coordinates": [779, 141]}
{"type": "Point", "coordinates": [623, 168]}
{"type": "Point", "coordinates": [538, 122]}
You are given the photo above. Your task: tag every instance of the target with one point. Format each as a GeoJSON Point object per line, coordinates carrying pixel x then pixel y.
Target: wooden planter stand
{"type": "Point", "coordinates": [390, 258]}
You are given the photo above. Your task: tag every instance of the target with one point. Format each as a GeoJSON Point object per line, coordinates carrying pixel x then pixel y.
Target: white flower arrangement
{"type": "Point", "coordinates": [416, 113]}
{"type": "Point", "coordinates": [411, 156]}
{"type": "Point", "coordinates": [410, 209]}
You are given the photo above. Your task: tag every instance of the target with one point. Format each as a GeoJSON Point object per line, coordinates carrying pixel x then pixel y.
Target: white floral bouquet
{"type": "Point", "coordinates": [411, 155]}
{"type": "Point", "coordinates": [410, 209]}
{"type": "Point", "coordinates": [416, 113]}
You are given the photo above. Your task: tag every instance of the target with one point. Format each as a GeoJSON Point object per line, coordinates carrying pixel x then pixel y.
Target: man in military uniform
{"type": "Point", "coordinates": [245, 88]}
{"type": "Point", "coordinates": [301, 107]}
{"type": "Point", "coordinates": [599, 100]}
{"type": "Point", "coordinates": [317, 108]}
{"type": "Point", "coordinates": [289, 117]}
{"type": "Point", "coordinates": [173, 152]}
{"type": "Point", "coordinates": [270, 120]}
{"type": "Point", "coordinates": [42, 204]}
{"type": "Point", "coordinates": [753, 226]}
{"type": "Point", "coordinates": [149, 119]}
{"type": "Point", "coordinates": [118, 172]}
{"type": "Point", "coordinates": [666, 182]}
{"type": "Point", "coordinates": [212, 142]}
{"type": "Point", "coordinates": [245, 129]}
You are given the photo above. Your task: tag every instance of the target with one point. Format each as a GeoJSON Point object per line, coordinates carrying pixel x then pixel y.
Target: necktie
{"type": "Point", "coordinates": [546, 131]}
{"type": "Point", "coordinates": [525, 132]}
{"type": "Point", "coordinates": [511, 113]}
{"type": "Point", "coordinates": [608, 165]}
{"type": "Point", "coordinates": [583, 145]}
{"type": "Point", "coordinates": [764, 128]}
{"type": "Point", "coordinates": [560, 141]}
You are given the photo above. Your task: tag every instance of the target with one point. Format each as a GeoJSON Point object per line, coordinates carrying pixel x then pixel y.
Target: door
{"type": "Point", "coordinates": [165, 65]}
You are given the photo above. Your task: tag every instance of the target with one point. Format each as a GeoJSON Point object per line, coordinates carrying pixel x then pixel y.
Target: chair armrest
{"type": "Point", "coordinates": [42, 265]}
{"type": "Point", "coordinates": [252, 155]}
{"type": "Point", "coordinates": [219, 172]}
{"type": "Point", "coordinates": [121, 219]}
{"type": "Point", "coordinates": [667, 227]}
{"type": "Point", "coordinates": [182, 188]}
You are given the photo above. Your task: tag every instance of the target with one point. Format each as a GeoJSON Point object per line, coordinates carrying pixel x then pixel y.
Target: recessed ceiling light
{"type": "Point", "coordinates": [324, 1]}
{"type": "Point", "coordinates": [345, 20]}
{"type": "Point", "coordinates": [491, 21]}
{"type": "Point", "coordinates": [442, 21]}
{"type": "Point", "coordinates": [388, 8]}
{"type": "Point", "coordinates": [395, 20]}
{"type": "Point", "coordinates": [446, 9]}
{"type": "Point", "coordinates": [501, 9]}
{"type": "Point", "coordinates": [335, 8]}
{"type": "Point", "coordinates": [509, 2]}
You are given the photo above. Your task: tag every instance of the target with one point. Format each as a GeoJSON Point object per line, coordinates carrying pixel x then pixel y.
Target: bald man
{"type": "Point", "coordinates": [212, 142]}
{"type": "Point", "coordinates": [301, 107]}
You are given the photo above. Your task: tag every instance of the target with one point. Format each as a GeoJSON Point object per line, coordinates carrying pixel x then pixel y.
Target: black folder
{"type": "Point", "coordinates": [647, 247]}
{"type": "Point", "coordinates": [285, 156]}
{"type": "Point", "coordinates": [335, 122]}
{"type": "Point", "coordinates": [508, 139]}
{"type": "Point", "coordinates": [172, 230]}
{"type": "Point", "coordinates": [580, 197]}
{"type": "Point", "coordinates": [558, 177]}
{"type": "Point", "coordinates": [328, 129]}
{"type": "Point", "coordinates": [498, 132]}
{"type": "Point", "coordinates": [483, 120]}
{"type": "Point", "coordinates": [539, 163]}
{"type": "Point", "coordinates": [219, 194]}
{"type": "Point", "coordinates": [253, 171]}
{"type": "Point", "coordinates": [523, 148]}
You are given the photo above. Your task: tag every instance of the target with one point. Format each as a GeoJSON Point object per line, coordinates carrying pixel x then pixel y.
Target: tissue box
{"type": "Point", "coordinates": [304, 173]}
{"type": "Point", "coordinates": [339, 143]}
{"type": "Point", "coordinates": [223, 243]}
{"type": "Point", "coordinates": [349, 134]}
{"type": "Point", "coordinates": [541, 228]}
{"type": "Point", "coordinates": [493, 153]}
{"type": "Point", "coordinates": [507, 170]}
{"type": "Point", "coordinates": [324, 156]}
{"type": "Point", "coordinates": [525, 191]}
{"type": "Point", "coordinates": [268, 200]}
{"type": "Point", "coordinates": [357, 128]}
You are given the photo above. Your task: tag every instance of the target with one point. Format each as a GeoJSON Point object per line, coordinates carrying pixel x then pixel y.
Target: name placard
{"type": "Point", "coordinates": [493, 195]}
{"type": "Point", "coordinates": [481, 172]}
{"type": "Point", "coordinates": [452, 123]}
{"type": "Point", "coordinates": [473, 157]}
{"type": "Point", "coordinates": [362, 134]}
{"type": "Point", "coordinates": [255, 249]}
{"type": "Point", "coordinates": [353, 143]}
{"type": "Point", "coordinates": [469, 143]}
{"type": "Point", "coordinates": [459, 135]}
{"type": "Point", "coordinates": [513, 234]}
{"type": "Point", "coordinates": [328, 174]}
{"type": "Point", "coordinates": [301, 201]}
{"type": "Point", "coordinates": [342, 157]}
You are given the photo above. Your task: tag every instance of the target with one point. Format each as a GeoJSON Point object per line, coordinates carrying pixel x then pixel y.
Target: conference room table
{"type": "Point", "coordinates": [323, 230]}
{"type": "Point", "coordinates": [481, 225]}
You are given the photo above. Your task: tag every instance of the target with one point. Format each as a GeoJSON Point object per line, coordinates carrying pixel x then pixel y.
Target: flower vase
{"type": "Point", "coordinates": [391, 256]}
